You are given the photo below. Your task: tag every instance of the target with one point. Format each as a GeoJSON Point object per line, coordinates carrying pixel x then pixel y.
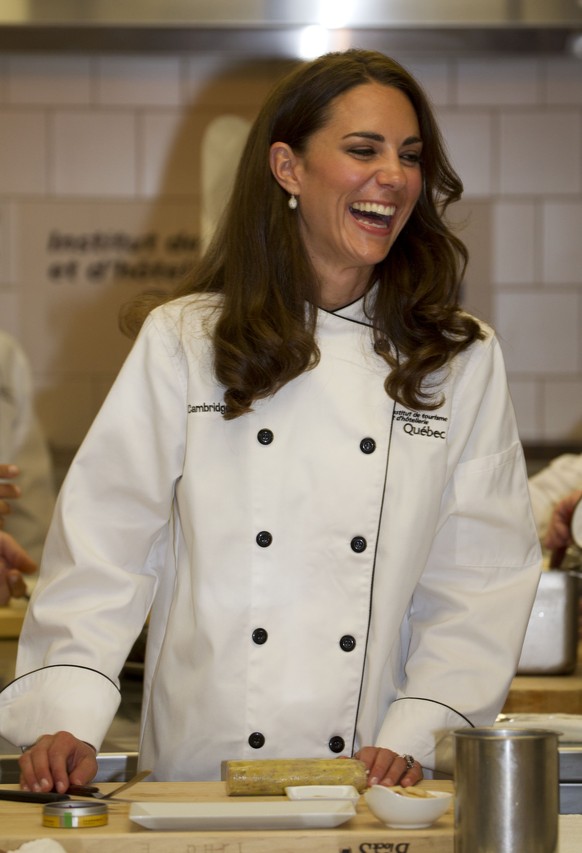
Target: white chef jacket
{"type": "Point", "coordinates": [329, 571]}
{"type": "Point", "coordinates": [22, 443]}
{"type": "Point", "coordinates": [554, 482]}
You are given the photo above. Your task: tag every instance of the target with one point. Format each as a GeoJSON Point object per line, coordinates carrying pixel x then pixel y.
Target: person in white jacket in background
{"type": "Point", "coordinates": [27, 491]}
{"type": "Point", "coordinates": [308, 473]}
{"type": "Point", "coordinates": [555, 491]}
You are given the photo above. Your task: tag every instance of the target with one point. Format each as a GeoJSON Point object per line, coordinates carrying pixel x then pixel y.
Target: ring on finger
{"type": "Point", "coordinates": [410, 762]}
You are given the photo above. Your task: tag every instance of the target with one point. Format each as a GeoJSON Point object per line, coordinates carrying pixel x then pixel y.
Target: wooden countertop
{"type": "Point", "coordinates": [21, 822]}
{"type": "Point", "coordinates": [11, 619]}
{"type": "Point", "coordinates": [546, 694]}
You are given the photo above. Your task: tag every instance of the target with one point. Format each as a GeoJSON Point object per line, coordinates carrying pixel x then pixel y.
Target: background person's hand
{"type": "Point", "coordinates": [559, 534]}
{"type": "Point", "coordinates": [8, 491]}
{"type": "Point", "coordinates": [388, 768]}
{"type": "Point", "coordinates": [14, 562]}
{"type": "Point", "coordinates": [55, 762]}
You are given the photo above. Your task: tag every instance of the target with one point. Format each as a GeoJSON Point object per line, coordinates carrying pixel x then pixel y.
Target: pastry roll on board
{"type": "Point", "coordinates": [270, 777]}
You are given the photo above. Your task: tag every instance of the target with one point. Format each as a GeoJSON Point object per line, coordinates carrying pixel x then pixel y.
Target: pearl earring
{"type": "Point", "coordinates": [292, 203]}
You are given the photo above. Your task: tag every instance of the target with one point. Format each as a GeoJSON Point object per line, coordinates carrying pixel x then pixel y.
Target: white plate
{"type": "Point", "coordinates": [323, 792]}
{"type": "Point", "coordinates": [282, 814]}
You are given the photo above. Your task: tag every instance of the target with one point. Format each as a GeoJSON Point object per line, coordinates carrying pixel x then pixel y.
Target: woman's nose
{"type": "Point", "coordinates": [392, 174]}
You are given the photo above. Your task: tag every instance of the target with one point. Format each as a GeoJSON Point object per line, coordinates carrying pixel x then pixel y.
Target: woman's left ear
{"type": "Point", "coordinates": [283, 162]}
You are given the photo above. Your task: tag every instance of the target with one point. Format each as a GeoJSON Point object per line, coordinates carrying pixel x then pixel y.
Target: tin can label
{"type": "Point", "coordinates": [74, 815]}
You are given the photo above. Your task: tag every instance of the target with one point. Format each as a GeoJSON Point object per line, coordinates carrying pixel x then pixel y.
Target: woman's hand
{"type": "Point", "coordinates": [14, 561]}
{"type": "Point", "coordinates": [8, 491]}
{"type": "Point", "coordinates": [559, 535]}
{"type": "Point", "coordinates": [387, 768]}
{"type": "Point", "coordinates": [55, 762]}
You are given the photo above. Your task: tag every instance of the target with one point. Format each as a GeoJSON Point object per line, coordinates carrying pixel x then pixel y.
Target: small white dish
{"type": "Point", "coordinates": [406, 812]}
{"type": "Point", "coordinates": [323, 792]}
{"type": "Point", "coordinates": [234, 815]}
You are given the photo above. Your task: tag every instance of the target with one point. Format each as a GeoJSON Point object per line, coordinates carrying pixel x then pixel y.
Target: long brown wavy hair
{"type": "Point", "coordinates": [265, 335]}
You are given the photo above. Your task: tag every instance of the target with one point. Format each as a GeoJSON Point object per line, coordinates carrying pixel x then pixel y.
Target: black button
{"type": "Point", "coordinates": [256, 740]}
{"type": "Point", "coordinates": [336, 743]}
{"type": "Point", "coordinates": [265, 436]}
{"type": "Point", "coordinates": [367, 445]}
{"type": "Point", "coordinates": [264, 538]}
{"type": "Point", "coordinates": [348, 643]}
{"type": "Point", "coordinates": [358, 544]}
{"type": "Point", "coordinates": [259, 636]}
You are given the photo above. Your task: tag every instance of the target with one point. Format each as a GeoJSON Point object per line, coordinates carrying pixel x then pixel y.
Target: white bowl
{"type": "Point", "coordinates": [323, 792]}
{"type": "Point", "coordinates": [405, 812]}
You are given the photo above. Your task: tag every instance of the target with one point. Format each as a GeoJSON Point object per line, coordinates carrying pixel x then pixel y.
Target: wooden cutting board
{"type": "Point", "coordinates": [21, 822]}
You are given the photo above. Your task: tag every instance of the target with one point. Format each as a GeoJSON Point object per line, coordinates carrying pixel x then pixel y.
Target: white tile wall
{"type": "Point", "coordinates": [94, 153]}
{"type": "Point", "coordinates": [7, 260]}
{"type": "Point", "coordinates": [23, 152]}
{"type": "Point", "coordinates": [116, 142]}
{"type": "Point", "coordinates": [10, 312]}
{"type": "Point", "coordinates": [563, 81]}
{"type": "Point", "coordinates": [562, 412]}
{"type": "Point", "coordinates": [470, 139]}
{"type": "Point", "coordinates": [514, 239]}
{"type": "Point", "coordinates": [544, 339]}
{"type": "Point", "coordinates": [526, 396]}
{"type": "Point", "coordinates": [227, 81]}
{"type": "Point", "coordinates": [562, 242]}
{"type": "Point", "coordinates": [51, 80]}
{"type": "Point", "coordinates": [170, 152]}
{"type": "Point", "coordinates": [138, 81]}
{"type": "Point", "coordinates": [507, 82]}
{"type": "Point", "coordinates": [539, 152]}
{"type": "Point", "coordinates": [436, 76]}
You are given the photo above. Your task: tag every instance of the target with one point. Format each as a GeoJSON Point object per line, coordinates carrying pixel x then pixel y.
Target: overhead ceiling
{"type": "Point", "coordinates": [278, 27]}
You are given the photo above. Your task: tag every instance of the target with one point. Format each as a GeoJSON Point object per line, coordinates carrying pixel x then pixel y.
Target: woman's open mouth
{"type": "Point", "coordinates": [371, 213]}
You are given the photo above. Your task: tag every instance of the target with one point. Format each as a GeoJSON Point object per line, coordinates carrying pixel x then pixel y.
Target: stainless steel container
{"type": "Point", "coordinates": [506, 791]}
{"type": "Point", "coordinates": [550, 646]}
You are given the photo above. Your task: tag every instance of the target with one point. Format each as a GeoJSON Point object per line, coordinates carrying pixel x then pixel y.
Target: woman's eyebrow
{"type": "Point", "coordinates": [377, 137]}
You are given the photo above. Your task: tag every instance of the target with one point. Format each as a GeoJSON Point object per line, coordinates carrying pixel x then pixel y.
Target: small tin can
{"type": "Point", "coordinates": [74, 814]}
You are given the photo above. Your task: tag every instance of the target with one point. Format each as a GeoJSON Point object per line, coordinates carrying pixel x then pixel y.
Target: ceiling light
{"type": "Point", "coordinates": [313, 41]}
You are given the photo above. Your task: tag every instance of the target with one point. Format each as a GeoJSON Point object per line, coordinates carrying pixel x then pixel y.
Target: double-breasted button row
{"type": "Point", "coordinates": [347, 643]}
{"type": "Point", "coordinates": [336, 743]}
{"type": "Point", "coordinates": [263, 539]}
{"type": "Point", "coordinates": [266, 436]}
{"type": "Point", "coordinates": [260, 636]}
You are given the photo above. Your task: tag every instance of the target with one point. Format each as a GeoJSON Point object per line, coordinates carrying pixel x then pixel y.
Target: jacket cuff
{"type": "Point", "coordinates": [423, 728]}
{"type": "Point", "coordinates": [75, 699]}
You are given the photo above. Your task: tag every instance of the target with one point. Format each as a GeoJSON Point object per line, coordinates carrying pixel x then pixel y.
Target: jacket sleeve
{"type": "Point", "coordinates": [562, 476]}
{"type": "Point", "coordinates": [107, 543]}
{"type": "Point", "coordinates": [470, 609]}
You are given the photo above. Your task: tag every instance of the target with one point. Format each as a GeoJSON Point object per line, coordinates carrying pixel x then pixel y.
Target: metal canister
{"type": "Point", "coordinates": [74, 814]}
{"type": "Point", "coordinates": [506, 790]}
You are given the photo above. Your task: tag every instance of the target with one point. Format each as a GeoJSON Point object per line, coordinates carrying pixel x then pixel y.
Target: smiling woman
{"type": "Point", "coordinates": [307, 472]}
{"type": "Point", "coordinates": [356, 188]}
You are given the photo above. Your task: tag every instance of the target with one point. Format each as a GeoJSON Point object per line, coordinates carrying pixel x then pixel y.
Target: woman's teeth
{"type": "Point", "coordinates": [373, 212]}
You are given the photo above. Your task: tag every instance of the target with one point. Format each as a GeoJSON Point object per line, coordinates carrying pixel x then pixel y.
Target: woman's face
{"type": "Point", "coordinates": [358, 180]}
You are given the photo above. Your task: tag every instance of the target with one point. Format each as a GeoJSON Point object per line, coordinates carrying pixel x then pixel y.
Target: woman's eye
{"type": "Point", "coordinates": [362, 152]}
{"type": "Point", "coordinates": [411, 157]}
